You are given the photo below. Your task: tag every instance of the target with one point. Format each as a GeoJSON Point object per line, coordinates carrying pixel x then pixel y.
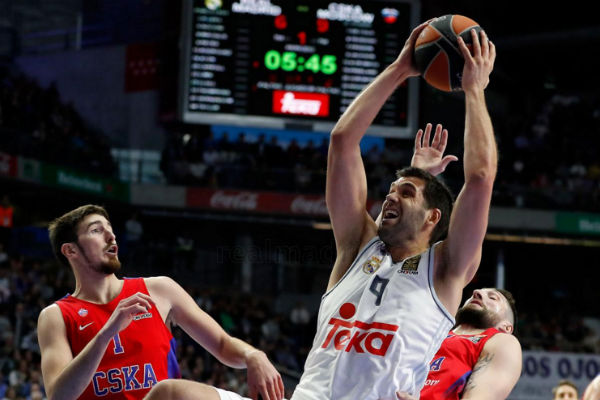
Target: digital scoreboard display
{"type": "Point", "coordinates": [290, 63]}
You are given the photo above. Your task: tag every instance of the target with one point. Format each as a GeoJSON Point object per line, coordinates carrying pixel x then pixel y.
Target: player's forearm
{"type": "Point", "coordinates": [73, 380]}
{"type": "Point", "coordinates": [481, 156]}
{"type": "Point", "coordinates": [360, 114]}
{"type": "Point", "coordinates": [235, 352]}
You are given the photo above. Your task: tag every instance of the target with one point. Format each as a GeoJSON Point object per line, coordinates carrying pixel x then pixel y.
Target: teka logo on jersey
{"type": "Point", "coordinates": [299, 103]}
{"type": "Point", "coordinates": [374, 338]}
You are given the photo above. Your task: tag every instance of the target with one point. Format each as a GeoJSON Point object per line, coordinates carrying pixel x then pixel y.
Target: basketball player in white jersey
{"type": "Point", "coordinates": [395, 286]}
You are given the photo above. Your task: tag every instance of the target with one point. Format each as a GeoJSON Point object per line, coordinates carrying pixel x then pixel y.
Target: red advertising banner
{"type": "Point", "coordinates": [299, 103]}
{"type": "Point", "coordinates": [261, 202]}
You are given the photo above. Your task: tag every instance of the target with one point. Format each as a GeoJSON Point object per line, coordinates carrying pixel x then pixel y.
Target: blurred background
{"type": "Point", "coordinates": [164, 112]}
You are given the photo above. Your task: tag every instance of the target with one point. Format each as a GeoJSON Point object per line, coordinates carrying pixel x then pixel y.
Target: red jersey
{"type": "Point", "coordinates": [136, 358]}
{"type": "Point", "coordinates": [452, 365]}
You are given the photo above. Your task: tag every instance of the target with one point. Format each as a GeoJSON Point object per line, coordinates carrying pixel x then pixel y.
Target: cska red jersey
{"type": "Point", "coordinates": [452, 365]}
{"type": "Point", "coordinates": [135, 359]}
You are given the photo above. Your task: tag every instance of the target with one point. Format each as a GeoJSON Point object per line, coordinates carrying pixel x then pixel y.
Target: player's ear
{"type": "Point", "coordinates": [435, 214]}
{"type": "Point", "coordinates": [506, 327]}
{"type": "Point", "coordinates": [68, 249]}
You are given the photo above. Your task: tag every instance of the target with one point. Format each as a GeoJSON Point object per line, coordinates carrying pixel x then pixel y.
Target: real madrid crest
{"type": "Point", "coordinates": [371, 265]}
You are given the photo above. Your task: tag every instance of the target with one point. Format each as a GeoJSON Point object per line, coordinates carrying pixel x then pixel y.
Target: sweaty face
{"type": "Point", "coordinates": [565, 392]}
{"type": "Point", "coordinates": [485, 309]}
{"type": "Point", "coordinates": [97, 244]}
{"type": "Point", "coordinates": [403, 212]}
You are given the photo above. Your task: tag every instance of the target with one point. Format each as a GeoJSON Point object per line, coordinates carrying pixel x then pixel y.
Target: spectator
{"type": "Point", "coordinates": [565, 390]}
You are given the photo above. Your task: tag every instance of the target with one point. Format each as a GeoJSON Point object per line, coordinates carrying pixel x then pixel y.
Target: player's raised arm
{"type": "Point", "coordinates": [469, 220]}
{"type": "Point", "coordinates": [346, 186]}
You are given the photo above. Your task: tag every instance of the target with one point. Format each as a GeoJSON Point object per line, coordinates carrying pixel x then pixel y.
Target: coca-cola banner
{"type": "Point", "coordinates": [264, 202]}
{"type": "Point", "coordinates": [261, 202]}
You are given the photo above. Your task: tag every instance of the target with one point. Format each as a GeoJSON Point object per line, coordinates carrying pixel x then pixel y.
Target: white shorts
{"type": "Point", "coordinates": [226, 395]}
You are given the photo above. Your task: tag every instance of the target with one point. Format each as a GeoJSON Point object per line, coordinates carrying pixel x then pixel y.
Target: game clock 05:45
{"type": "Point", "coordinates": [292, 61]}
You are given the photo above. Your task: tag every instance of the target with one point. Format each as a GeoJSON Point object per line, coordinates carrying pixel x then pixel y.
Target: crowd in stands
{"type": "Point", "coordinates": [236, 162]}
{"type": "Point", "coordinates": [36, 123]}
{"type": "Point", "coordinates": [551, 160]}
{"type": "Point", "coordinates": [548, 160]}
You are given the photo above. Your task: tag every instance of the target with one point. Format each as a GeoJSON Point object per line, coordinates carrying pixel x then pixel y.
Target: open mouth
{"type": "Point", "coordinates": [112, 250]}
{"type": "Point", "coordinates": [477, 302]}
{"type": "Point", "coordinates": [390, 214]}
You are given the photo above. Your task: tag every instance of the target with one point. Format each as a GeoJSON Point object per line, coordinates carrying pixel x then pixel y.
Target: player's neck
{"type": "Point", "coordinates": [98, 290]}
{"type": "Point", "coordinates": [407, 249]}
{"type": "Point", "coordinates": [466, 329]}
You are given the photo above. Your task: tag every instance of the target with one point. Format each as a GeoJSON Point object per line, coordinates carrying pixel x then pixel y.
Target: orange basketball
{"type": "Point", "coordinates": [437, 54]}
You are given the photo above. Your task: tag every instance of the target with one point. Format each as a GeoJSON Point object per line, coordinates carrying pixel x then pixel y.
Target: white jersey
{"type": "Point", "coordinates": [378, 329]}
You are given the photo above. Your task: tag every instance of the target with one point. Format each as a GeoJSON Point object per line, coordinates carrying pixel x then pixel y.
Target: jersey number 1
{"type": "Point", "coordinates": [118, 349]}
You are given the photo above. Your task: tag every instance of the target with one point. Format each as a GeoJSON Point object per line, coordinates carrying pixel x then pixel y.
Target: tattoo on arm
{"type": "Point", "coordinates": [482, 363]}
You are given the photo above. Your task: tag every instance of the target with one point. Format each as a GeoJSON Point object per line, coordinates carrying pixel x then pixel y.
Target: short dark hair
{"type": "Point", "coordinates": [512, 303]}
{"type": "Point", "coordinates": [564, 382]}
{"type": "Point", "coordinates": [437, 195]}
{"type": "Point", "coordinates": [64, 228]}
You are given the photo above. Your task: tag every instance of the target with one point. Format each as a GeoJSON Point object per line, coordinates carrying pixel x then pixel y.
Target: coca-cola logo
{"type": "Point", "coordinates": [302, 205]}
{"type": "Point", "coordinates": [236, 201]}
{"type": "Point", "coordinates": [313, 104]}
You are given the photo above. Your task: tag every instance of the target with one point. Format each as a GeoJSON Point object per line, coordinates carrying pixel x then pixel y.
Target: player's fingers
{"type": "Point", "coordinates": [417, 31]}
{"type": "Point", "coordinates": [464, 49]}
{"type": "Point", "coordinates": [277, 393]}
{"type": "Point", "coordinates": [485, 45]}
{"type": "Point", "coordinates": [427, 135]}
{"type": "Point", "coordinates": [267, 391]}
{"type": "Point", "coordinates": [447, 160]}
{"type": "Point", "coordinates": [281, 387]}
{"type": "Point", "coordinates": [418, 139]}
{"type": "Point", "coordinates": [476, 44]}
{"type": "Point", "coordinates": [492, 56]}
{"type": "Point", "coordinates": [137, 300]}
{"type": "Point", "coordinates": [437, 137]}
{"type": "Point", "coordinates": [252, 392]}
{"type": "Point", "coordinates": [134, 309]}
{"type": "Point", "coordinates": [139, 296]}
{"type": "Point", "coordinates": [133, 300]}
{"type": "Point", "coordinates": [443, 140]}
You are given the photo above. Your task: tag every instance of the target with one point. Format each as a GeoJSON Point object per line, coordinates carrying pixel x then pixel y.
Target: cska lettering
{"type": "Point", "coordinates": [125, 378]}
{"type": "Point", "coordinates": [367, 337]}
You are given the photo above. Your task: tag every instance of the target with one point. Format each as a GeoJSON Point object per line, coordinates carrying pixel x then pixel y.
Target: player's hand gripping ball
{"type": "Point", "coordinates": [437, 55]}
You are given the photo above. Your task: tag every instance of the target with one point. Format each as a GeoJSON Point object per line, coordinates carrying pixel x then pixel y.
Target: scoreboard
{"type": "Point", "coordinates": [291, 63]}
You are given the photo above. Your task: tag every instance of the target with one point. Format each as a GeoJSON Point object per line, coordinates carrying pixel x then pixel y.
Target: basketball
{"type": "Point", "coordinates": [437, 55]}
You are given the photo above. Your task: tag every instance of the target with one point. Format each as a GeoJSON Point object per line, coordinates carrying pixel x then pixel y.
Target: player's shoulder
{"type": "Point", "coordinates": [160, 284]}
{"type": "Point", "coordinates": [503, 342]}
{"type": "Point", "coordinates": [50, 315]}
